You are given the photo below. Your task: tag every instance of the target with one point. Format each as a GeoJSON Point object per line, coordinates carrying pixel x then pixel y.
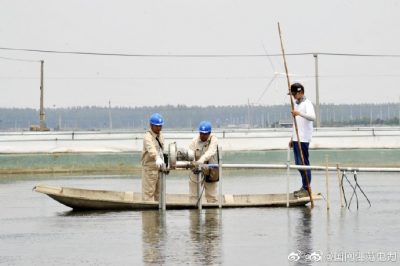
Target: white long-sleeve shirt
{"type": "Point", "coordinates": [304, 120]}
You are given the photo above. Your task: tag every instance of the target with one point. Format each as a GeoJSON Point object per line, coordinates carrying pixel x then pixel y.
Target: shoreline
{"type": "Point", "coordinates": [129, 162]}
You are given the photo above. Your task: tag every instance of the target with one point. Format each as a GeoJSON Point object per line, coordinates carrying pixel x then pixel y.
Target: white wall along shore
{"type": "Point", "coordinates": [229, 140]}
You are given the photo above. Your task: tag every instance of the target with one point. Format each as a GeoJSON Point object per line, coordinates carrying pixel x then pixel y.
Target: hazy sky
{"type": "Point", "coordinates": [206, 27]}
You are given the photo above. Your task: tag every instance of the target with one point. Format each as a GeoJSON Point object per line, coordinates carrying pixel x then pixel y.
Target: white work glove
{"type": "Point", "coordinates": [159, 162]}
{"type": "Point", "coordinates": [200, 161]}
{"type": "Point", "coordinates": [190, 155]}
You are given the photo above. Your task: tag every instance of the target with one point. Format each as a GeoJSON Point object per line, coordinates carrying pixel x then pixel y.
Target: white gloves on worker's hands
{"type": "Point", "coordinates": [190, 154]}
{"type": "Point", "coordinates": [200, 161]}
{"type": "Point", "coordinates": [197, 163]}
{"type": "Point", "coordinates": [196, 167]}
{"type": "Point", "coordinates": [159, 162]}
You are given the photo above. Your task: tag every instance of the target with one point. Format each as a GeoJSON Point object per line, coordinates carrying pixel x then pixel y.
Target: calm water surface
{"type": "Point", "coordinates": [36, 230]}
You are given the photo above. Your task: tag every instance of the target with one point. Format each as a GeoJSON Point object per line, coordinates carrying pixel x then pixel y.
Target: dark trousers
{"type": "Point", "coordinates": [297, 159]}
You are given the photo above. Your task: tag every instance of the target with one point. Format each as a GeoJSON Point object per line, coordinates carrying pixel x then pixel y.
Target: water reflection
{"type": "Point", "coordinates": [205, 233]}
{"type": "Point", "coordinates": [84, 213]}
{"type": "Point", "coordinates": [303, 247]}
{"type": "Point", "coordinates": [196, 241]}
{"type": "Point", "coordinates": [154, 230]}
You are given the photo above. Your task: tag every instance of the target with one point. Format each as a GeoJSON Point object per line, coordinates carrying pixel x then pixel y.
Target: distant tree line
{"type": "Point", "coordinates": [188, 117]}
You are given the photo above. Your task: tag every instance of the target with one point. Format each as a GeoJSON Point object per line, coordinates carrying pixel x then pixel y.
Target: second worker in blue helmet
{"type": "Point", "coordinates": [205, 148]}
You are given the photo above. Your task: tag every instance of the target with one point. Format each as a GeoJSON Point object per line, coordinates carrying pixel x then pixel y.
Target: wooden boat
{"type": "Point", "coordinates": [88, 199]}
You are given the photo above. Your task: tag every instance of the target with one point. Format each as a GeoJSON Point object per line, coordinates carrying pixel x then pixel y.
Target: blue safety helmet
{"type": "Point", "coordinates": [156, 120]}
{"type": "Point", "coordinates": [205, 127]}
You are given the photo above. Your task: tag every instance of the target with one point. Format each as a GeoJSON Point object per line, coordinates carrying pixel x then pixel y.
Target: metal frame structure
{"type": "Point", "coordinates": [287, 166]}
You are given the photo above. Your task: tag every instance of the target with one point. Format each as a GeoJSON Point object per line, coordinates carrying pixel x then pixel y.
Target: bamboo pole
{"type": "Point", "coordinates": [327, 183]}
{"type": "Point", "coordinates": [294, 117]}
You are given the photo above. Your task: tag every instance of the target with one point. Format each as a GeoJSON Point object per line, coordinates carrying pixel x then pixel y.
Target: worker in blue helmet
{"type": "Point", "coordinates": [205, 148]}
{"type": "Point", "coordinates": [152, 158]}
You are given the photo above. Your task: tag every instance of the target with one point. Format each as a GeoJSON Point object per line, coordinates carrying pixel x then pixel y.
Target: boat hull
{"type": "Point", "coordinates": [88, 199]}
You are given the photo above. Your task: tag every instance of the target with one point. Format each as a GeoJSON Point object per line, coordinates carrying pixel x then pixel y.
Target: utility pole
{"type": "Point", "coordinates": [42, 123]}
{"type": "Point", "coordinates": [318, 115]}
{"type": "Point", "coordinates": [41, 112]}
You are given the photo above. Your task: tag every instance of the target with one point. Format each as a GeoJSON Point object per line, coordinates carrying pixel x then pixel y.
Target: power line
{"type": "Point", "coordinates": [359, 55]}
{"type": "Point", "coordinates": [275, 76]}
{"type": "Point", "coordinates": [19, 59]}
{"type": "Point", "coordinates": [193, 55]}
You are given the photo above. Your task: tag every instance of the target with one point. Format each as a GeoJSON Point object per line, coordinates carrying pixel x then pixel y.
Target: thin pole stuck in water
{"type": "Point", "coordinates": [327, 183]}
{"type": "Point", "coordinates": [199, 190]}
{"type": "Point", "coordinates": [162, 205]}
{"type": "Point", "coordinates": [220, 176]}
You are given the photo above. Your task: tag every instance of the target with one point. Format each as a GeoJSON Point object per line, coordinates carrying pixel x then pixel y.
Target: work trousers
{"type": "Point", "coordinates": [297, 158]}
{"type": "Point", "coordinates": [210, 189]}
{"type": "Point", "coordinates": [150, 184]}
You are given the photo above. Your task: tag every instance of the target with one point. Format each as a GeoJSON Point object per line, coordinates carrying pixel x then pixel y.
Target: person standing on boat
{"type": "Point", "coordinates": [205, 148]}
{"type": "Point", "coordinates": [305, 115]}
{"type": "Point", "coordinates": [152, 158]}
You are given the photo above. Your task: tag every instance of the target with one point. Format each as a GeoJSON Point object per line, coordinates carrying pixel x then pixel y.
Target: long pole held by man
{"type": "Point", "coordinates": [294, 114]}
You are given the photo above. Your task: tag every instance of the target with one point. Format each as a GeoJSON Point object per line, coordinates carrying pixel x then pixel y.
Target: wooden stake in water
{"type": "Point", "coordinates": [327, 183]}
